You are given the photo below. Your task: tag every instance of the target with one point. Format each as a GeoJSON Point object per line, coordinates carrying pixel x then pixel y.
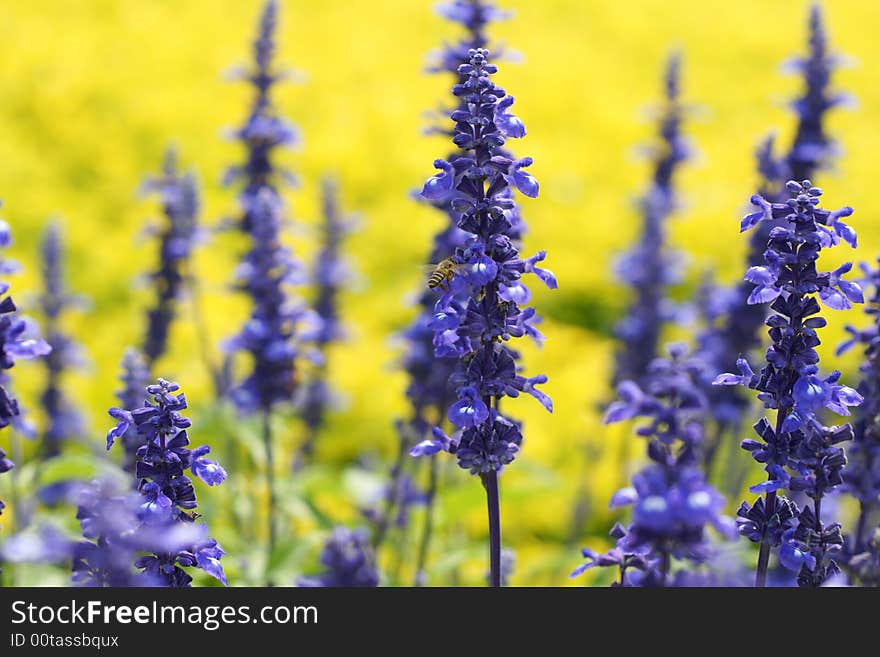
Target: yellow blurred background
{"type": "Point", "coordinates": [92, 92]}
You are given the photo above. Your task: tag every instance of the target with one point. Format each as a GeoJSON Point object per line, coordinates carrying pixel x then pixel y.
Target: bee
{"type": "Point", "coordinates": [443, 272]}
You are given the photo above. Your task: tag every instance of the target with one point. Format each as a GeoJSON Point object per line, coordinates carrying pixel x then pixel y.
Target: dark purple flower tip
{"type": "Point", "coordinates": [439, 186]}
{"type": "Point", "coordinates": [524, 182]}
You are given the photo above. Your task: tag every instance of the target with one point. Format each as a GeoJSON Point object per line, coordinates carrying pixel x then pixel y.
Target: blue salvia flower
{"type": "Point", "coordinates": [330, 273]}
{"type": "Point", "coordinates": [862, 474]}
{"type": "Point", "coordinates": [279, 325]}
{"type": "Point", "coordinates": [672, 503]}
{"type": "Point", "coordinates": [63, 418]}
{"type": "Point", "coordinates": [650, 267]}
{"type": "Point", "coordinates": [429, 389]}
{"type": "Point", "coordinates": [163, 460]}
{"type": "Point", "coordinates": [488, 269]}
{"type": "Point", "coordinates": [348, 561]}
{"type": "Point", "coordinates": [798, 452]}
{"type": "Point", "coordinates": [135, 377]}
{"type": "Point", "coordinates": [180, 205]}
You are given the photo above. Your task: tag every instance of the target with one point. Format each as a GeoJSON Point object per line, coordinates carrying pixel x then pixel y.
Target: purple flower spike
{"type": "Point", "coordinates": [168, 498]}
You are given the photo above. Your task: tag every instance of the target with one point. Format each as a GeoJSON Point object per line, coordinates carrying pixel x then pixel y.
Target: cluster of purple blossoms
{"type": "Point", "coordinates": [348, 561]}
{"type": "Point", "coordinates": [861, 479]}
{"type": "Point", "coordinates": [672, 503]}
{"type": "Point", "coordinates": [798, 452]}
{"type": "Point", "coordinates": [476, 328]}
{"type": "Point", "coordinates": [167, 493]}
{"type": "Point", "coordinates": [177, 237]}
{"type": "Point", "coordinates": [63, 417]}
{"type": "Point", "coordinates": [268, 269]}
{"type": "Point", "coordinates": [650, 267]}
{"type": "Point", "coordinates": [18, 341]}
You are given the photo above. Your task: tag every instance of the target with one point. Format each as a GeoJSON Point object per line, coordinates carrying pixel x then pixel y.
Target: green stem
{"type": "Point", "coordinates": [270, 485]}
{"type": "Point", "coordinates": [493, 505]}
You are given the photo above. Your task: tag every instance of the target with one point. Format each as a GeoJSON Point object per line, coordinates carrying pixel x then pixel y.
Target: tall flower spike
{"type": "Point", "coordinates": [429, 389]}
{"type": "Point", "coordinates": [348, 561]}
{"type": "Point", "coordinates": [177, 236]}
{"type": "Point", "coordinates": [279, 324]}
{"type": "Point", "coordinates": [17, 342]}
{"type": "Point", "coordinates": [330, 273]}
{"type": "Point", "coordinates": [797, 452]}
{"type": "Point", "coordinates": [672, 503]}
{"type": "Point", "coordinates": [811, 150]}
{"type": "Point", "coordinates": [163, 461]}
{"type": "Point", "coordinates": [488, 269]}
{"type": "Point", "coordinates": [862, 474]}
{"type": "Point", "coordinates": [63, 418]}
{"type": "Point", "coordinates": [650, 267]}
